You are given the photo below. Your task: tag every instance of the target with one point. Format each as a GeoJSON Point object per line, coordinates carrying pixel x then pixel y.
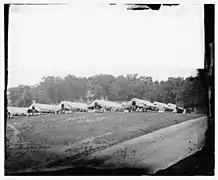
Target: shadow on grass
{"type": "Point", "coordinates": [87, 168]}
{"type": "Point", "coordinates": [197, 164]}
{"type": "Point", "coordinates": [87, 171]}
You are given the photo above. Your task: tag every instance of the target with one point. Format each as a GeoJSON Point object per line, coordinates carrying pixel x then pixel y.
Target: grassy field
{"type": "Point", "coordinates": [56, 139]}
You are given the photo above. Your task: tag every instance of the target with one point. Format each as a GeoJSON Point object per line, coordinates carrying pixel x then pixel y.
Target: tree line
{"type": "Point", "coordinates": [189, 92]}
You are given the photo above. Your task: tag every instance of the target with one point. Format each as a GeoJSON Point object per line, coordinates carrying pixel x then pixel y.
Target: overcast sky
{"type": "Point", "coordinates": [76, 39]}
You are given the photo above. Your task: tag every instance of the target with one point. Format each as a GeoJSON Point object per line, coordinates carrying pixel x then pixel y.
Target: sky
{"type": "Point", "coordinates": [88, 40]}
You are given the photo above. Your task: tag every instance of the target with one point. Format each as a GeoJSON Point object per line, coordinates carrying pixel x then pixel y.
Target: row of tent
{"type": "Point", "coordinates": [156, 106]}
{"type": "Point", "coordinates": [66, 106]}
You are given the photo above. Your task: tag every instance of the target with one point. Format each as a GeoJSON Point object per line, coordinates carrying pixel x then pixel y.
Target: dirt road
{"type": "Point", "coordinates": [157, 150]}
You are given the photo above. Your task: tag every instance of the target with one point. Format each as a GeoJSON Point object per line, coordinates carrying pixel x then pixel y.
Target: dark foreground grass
{"type": "Point", "coordinates": [43, 133]}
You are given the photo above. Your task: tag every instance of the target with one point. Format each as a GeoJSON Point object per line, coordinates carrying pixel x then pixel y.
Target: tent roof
{"type": "Point", "coordinates": [141, 101]}
{"type": "Point", "coordinates": [126, 104]}
{"type": "Point", "coordinates": [75, 104]}
{"type": "Point", "coordinates": [91, 105]}
{"type": "Point", "coordinates": [104, 103]}
{"type": "Point", "coordinates": [108, 103]}
{"type": "Point", "coordinates": [163, 105]}
{"type": "Point", "coordinates": [160, 103]}
{"type": "Point", "coordinates": [17, 110]}
{"type": "Point", "coordinates": [172, 105]}
{"type": "Point", "coordinates": [45, 106]}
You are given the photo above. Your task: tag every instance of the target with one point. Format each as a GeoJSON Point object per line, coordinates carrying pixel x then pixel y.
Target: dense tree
{"type": "Point", "coordinates": [184, 92]}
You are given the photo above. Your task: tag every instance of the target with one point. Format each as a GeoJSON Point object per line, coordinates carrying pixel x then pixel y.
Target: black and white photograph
{"type": "Point", "coordinates": [109, 88]}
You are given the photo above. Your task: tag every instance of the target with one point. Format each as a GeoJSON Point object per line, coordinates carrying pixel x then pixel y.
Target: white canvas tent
{"type": "Point", "coordinates": [44, 108]}
{"type": "Point", "coordinates": [126, 104]}
{"type": "Point", "coordinates": [142, 103]}
{"type": "Point", "coordinates": [73, 105]}
{"type": "Point", "coordinates": [161, 106]}
{"type": "Point", "coordinates": [17, 111]}
{"type": "Point", "coordinates": [180, 110]}
{"type": "Point", "coordinates": [91, 105]}
{"type": "Point", "coordinates": [176, 108]}
{"type": "Point", "coordinates": [172, 106]}
{"type": "Point", "coordinates": [106, 104]}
